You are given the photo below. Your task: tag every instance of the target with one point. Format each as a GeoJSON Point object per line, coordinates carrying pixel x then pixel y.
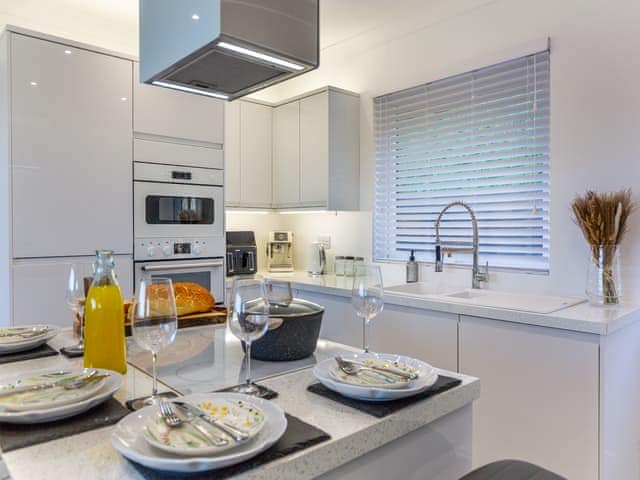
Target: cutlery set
{"type": "Point", "coordinates": [66, 383]}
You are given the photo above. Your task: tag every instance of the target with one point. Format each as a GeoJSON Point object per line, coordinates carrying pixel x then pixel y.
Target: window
{"type": "Point", "coordinates": [481, 137]}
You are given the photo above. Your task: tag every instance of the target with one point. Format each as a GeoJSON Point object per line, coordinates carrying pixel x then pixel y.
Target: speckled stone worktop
{"type": "Point", "coordinates": [90, 455]}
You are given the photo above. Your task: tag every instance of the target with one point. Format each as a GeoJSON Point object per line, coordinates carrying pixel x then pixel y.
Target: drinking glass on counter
{"type": "Point", "coordinates": [367, 296]}
{"type": "Point", "coordinates": [154, 323]}
{"type": "Point", "coordinates": [248, 320]}
{"type": "Point", "coordinates": [75, 298]}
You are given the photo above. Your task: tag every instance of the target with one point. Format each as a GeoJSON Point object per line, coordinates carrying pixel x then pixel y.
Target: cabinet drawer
{"type": "Point", "coordinates": [177, 154]}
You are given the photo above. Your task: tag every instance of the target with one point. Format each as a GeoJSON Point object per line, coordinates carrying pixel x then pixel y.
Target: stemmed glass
{"type": "Point", "coordinates": [367, 296]}
{"type": "Point", "coordinates": [248, 320]}
{"type": "Point", "coordinates": [154, 323]}
{"type": "Point", "coordinates": [75, 297]}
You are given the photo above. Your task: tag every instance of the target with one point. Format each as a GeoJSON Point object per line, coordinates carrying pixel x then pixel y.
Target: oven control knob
{"type": "Point", "coordinates": [195, 249]}
{"type": "Point", "coordinates": [151, 251]}
{"type": "Point", "coordinates": [166, 250]}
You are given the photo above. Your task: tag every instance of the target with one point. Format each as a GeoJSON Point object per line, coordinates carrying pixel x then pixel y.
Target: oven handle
{"type": "Point", "coordinates": [181, 266]}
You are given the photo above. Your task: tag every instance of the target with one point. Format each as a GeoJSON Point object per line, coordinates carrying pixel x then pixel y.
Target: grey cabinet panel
{"type": "Point", "coordinates": [314, 149]}
{"type": "Point", "coordinates": [169, 113]}
{"type": "Point", "coordinates": [71, 148]}
{"type": "Point", "coordinates": [286, 143]}
{"type": "Point", "coordinates": [255, 154]}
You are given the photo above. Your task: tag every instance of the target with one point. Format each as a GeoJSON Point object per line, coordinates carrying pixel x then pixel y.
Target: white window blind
{"type": "Point", "coordinates": [481, 137]}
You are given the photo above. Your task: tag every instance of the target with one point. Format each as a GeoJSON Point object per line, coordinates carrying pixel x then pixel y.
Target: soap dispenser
{"type": "Point", "coordinates": [412, 269]}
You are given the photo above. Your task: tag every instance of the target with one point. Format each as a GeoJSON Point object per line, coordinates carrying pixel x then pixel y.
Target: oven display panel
{"type": "Point", "coordinates": [181, 248]}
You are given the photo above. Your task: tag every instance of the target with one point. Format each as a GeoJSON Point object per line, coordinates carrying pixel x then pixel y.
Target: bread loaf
{"type": "Point", "coordinates": [192, 298]}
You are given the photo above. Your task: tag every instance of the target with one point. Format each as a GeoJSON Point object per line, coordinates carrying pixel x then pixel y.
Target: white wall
{"type": "Point", "coordinates": [595, 102]}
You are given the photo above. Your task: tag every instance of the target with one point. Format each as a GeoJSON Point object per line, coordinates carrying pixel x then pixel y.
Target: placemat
{"type": "Point", "coordinates": [42, 351]}
{"type": "Point", "coordinates": [14, 436]}
{"type": "Point", "coordinates": [298, 436]}
{"type": "Point", "coordinates": [382, 409]}
{"type": "Point", "coordinates": [264, 392]}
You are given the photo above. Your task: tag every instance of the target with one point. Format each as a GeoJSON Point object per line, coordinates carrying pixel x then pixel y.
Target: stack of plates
{"type": "Point", "coordinates": [18, 339]}
{"type": "Point", "coordinates": [53, 402]}
{"type": "Point", "coordinates": [370, 386]}
{"type": "Point", "coordinates": [145, 438]}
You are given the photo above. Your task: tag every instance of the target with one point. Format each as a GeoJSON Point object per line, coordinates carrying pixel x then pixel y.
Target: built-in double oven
{"type": "Point", "coordinates": [178, 223]}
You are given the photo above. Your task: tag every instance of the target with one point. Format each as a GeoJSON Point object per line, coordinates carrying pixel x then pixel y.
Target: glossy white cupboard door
{"type": "Point", "coordinates": [170, 113]}
{"type": "Point", "coordinates": [71, 150]}
{"type": "Point", "coordinates": [232, 180]}
{"type": "Point", "coordinates": [39, 288]}
{"type": "Point", "coordinates": [539, 399]}
{"type": "Point", "coordinates": [256, 149]}
{"type": "Point", "coordinates": [286, 154]}
{"type": "Point", "coordinates": [314, 150]}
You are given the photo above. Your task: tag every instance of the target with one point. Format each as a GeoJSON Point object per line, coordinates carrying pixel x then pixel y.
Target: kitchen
{"type": "Point", "coordinates": [303, 156]}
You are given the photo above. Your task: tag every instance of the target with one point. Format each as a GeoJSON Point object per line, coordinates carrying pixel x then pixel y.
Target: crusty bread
{"type": "Point", "coordinates": [192, 298]}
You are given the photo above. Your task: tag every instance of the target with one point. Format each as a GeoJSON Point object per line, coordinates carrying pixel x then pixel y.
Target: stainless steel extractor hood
{"type": "Point", "coordinates": [226, 48]}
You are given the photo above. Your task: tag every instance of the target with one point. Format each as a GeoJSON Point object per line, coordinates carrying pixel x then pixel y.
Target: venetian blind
{"type": "Point", "coordinates": [481, 137]}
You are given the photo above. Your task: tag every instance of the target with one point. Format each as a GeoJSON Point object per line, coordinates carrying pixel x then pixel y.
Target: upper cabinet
{"type": "Point", "coordinates": [248, 154]}
{"type": "Point", "coordinates": [303, 153]}
{"type": "Point", "coordinates": [317, 152]}
{"type": "Point", "coordinates": [71, 149]}
{"type": "Point", "coordinates": [169, 113]}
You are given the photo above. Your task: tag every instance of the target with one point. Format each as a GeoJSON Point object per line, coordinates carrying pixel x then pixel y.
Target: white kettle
{"type": "Point", "coordinates": [317, 259]}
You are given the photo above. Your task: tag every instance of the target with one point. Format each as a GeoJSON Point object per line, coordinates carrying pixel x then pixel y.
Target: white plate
{"type": "Point", "coordinates": [49, 397]}
{"type": "Point", "coordinates": [111, 385]}
{"type": "Point", "coordinates": [187, 440]}
{"type": "Point", "coordinates": [29, 343]}
{"type": "Point", "coordinates": [127, 437]}
{"type": "Point", "coordinates": [427, 377]}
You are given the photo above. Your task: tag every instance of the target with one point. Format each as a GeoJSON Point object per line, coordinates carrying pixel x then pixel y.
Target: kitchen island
{"type": "Point", "coordinates": [428, 439]}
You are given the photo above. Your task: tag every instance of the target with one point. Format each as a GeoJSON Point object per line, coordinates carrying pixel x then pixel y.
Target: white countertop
{"type": "Point", "coordinates": [353, 433]}
{"type": "Point", "coordinates": [579, 318]}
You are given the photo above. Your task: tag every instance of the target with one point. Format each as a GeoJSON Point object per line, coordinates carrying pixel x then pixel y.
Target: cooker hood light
{"type": "Point", "coordinates": [177, 86]}
{"type": "Point", "coordinates": [260, 56]}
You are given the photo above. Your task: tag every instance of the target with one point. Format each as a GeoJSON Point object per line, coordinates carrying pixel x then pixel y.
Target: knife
{"type": "Point", "coordinates": [236, 434]}
{"type": "Point", "coordinates": [11, 389]}
{"type": "Point", "coordinates": [392, 371]}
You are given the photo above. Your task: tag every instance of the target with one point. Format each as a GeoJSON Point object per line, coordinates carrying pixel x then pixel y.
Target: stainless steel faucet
{"type": "Point", "coordinates": [477, 276]}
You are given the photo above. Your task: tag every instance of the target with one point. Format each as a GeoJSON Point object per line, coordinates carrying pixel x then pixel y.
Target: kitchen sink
{"type": "Point", "coordinates": [419, 289]}
{"type": "Point", "coordinates": [523, 302]}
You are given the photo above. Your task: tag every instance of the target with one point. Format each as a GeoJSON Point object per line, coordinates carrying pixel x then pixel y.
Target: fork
{"type": "Point", "coordinates": [385, 371]}
{"type": "Point", "coordinates": [173, 420]}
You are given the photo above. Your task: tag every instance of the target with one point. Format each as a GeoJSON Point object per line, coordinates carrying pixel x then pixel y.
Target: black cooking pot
{"type": "Point", "coordinates": [294, 328]}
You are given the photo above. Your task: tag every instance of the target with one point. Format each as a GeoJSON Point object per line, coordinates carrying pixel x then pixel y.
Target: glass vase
{"type": "Point", "coordinates": [604, 279]}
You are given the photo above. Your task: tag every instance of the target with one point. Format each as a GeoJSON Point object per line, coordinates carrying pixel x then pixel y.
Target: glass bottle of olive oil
{"type": "Point", "coordinates": [104, 344]}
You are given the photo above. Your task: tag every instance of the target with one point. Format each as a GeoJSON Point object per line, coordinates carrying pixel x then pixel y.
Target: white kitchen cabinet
{"type": "Point", "coordinates": [170, 113]}
{"type": "Point", "coordinates": [286, 155]}
{"type": "Point", "coordinates": [540, 395]}
{"type": "Point", "coordinates": [39, 288]}
{"type": "Point", "coordinates": [70, 149]}
{"type": "Point", "coordinates": [248, 155]}
{"type": "Point", "coordinates": [324, 171]}
{"type": "Point", "coordinates": [339, 322]}
{"type": "Point", "coordinates": [425, 334]}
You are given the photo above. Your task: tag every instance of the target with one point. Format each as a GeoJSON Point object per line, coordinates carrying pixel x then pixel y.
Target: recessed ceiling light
{"type": "Point", "coordinates": [195, 16]}
{"type": "Point", "coordinates": [67, 52]}
{"type": "Point", "coordinates": [33, 84]}
{"type": "Point", "coordinates": [260, 55]}
{"type": "Point", "coordinates": [184, 88]}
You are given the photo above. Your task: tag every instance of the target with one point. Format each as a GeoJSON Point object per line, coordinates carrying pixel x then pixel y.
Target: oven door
{"type": "Point", "coordinates": [177, 210]}
{"type": "Point", "coordinates": [207, 272]}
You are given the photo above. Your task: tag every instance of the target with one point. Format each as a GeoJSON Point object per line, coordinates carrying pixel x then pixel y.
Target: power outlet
{"type": "Point", "coordinates": [325, 240]}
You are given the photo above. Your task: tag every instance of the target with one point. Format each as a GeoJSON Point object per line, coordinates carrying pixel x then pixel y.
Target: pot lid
{"type": "Point", "coordinates": [295, 308]}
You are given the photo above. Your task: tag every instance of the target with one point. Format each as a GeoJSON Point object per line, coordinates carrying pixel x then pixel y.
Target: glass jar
{"type": "Point", "coordinates": [604, 278]}
{"type": "Point", "coordinates": [348, 266]}
{"type": "Point", "coordinates": [338, 265]}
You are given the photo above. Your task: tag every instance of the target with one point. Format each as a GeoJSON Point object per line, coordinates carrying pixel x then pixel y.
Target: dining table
{"type": "Point", "coordinates": [426, 438]}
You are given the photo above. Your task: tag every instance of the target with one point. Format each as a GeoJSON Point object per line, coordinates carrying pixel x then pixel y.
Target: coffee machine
{"type": "Point", "coordinates": [280, 252]}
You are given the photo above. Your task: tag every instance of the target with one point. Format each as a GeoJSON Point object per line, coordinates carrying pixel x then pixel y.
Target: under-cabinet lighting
{"type": "Point", "coordinates": [248, 212]}
{"type": "Point", "coordinates": [184, 88]}
{"type": "Point", "coordinates": [293, 212]}
{"type": "Point", "coordinates": [260, 56]}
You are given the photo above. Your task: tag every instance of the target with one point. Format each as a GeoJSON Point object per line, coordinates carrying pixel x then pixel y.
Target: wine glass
{"type": "Point", "coordinates": [248, 320]}
{"type": "Point", "coordinates": [367, 296]}
{"type": "Point", "coordinates": [154, 323]}
{"type": "Point", "coordinates": [75, 298]}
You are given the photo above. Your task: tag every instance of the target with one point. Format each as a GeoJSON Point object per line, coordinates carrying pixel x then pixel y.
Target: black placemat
{"type": "Point", "coordinates": [298, 436]}
{"type": "Point", "coordinates": [264, 392]}
{"type": "Point", "coordinates": [13, 436]}
{"type": "Point", "coordinates": [42, 351]}
{"type": "Point", "coordinates": [382, 409]}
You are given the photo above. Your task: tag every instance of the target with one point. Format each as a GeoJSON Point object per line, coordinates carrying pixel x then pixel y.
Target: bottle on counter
{"type": "Point", "coordinates": [104, 343]}
{"type": "Point", "coordinates": [412, 269]}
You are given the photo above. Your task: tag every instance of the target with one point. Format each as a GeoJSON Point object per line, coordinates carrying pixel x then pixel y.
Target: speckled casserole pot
{"type": "Point", "coordinates": [293, 331]}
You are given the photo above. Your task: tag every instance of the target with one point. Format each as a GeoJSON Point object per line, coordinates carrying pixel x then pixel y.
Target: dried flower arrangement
{"type": "Point", "coordinates": [603, 217]}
